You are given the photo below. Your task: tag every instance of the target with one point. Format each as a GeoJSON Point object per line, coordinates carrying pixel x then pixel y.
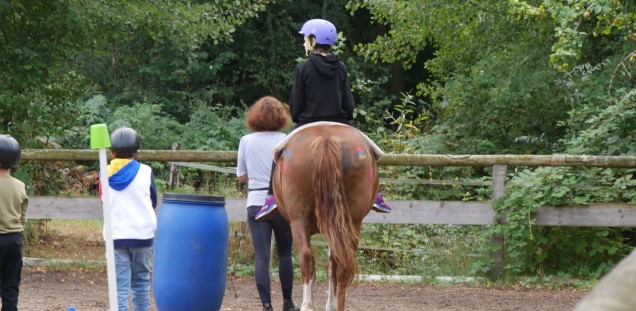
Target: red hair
{"type": "Point", "coordinates": [267, 114]}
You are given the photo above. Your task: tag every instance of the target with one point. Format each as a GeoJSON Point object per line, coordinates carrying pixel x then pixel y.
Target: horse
{"type": "Point", "coordinates": [325, 181]}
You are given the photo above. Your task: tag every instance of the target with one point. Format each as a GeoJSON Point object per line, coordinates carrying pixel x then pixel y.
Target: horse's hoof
{"type": "Point", "coordinates": [307, 308]}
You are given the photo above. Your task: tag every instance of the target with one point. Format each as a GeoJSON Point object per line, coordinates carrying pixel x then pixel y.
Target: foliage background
{"type": "Point", "coordinates": [453, 77]}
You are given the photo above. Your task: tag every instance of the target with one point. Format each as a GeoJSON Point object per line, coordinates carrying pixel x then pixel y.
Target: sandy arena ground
{"type": "Point", "coordinates": [43, 290]}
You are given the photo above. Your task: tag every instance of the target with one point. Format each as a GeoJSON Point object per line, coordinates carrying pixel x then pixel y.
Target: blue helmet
{"type": "Point", "coordinates": [324, 31]}
{"type": "Point", "coordinates": [9, 151]}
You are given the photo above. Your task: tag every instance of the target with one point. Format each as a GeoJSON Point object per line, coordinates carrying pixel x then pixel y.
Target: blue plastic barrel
{"type": "Point", "coordinates": [190, 253]}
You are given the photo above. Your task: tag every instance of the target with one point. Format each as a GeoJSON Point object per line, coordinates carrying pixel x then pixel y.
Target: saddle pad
{"type": "Point", "coordinates": [281, 145]}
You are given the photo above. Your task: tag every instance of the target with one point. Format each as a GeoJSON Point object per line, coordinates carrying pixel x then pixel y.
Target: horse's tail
{"type": "Point", "coordinates": [332, 211]}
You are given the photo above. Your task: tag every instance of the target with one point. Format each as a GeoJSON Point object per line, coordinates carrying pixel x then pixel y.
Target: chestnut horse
{"type": "Point", "coordinates": [326, 181]}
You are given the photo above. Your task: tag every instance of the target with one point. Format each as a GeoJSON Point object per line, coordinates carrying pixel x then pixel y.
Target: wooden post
{"type": "Point", "coordinates": [498, 192]}
{"type": "Point", "coordinates": [173, 180]}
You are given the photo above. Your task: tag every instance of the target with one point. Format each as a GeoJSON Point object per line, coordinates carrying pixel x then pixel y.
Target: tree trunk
{"type": "Point", "coordinates": [324, 9]}
{"type": "Point", "coordinates": [113, 60]}
{"type": "Point", "coordinates": [396, 82]}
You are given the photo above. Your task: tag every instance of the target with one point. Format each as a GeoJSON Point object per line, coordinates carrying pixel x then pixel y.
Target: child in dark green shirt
{"type": "Point", "coordinates": [13, 208]}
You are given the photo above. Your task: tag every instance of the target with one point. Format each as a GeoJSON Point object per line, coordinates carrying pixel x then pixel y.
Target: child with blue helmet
{"type": "Point", "coordinates": [321, 92]}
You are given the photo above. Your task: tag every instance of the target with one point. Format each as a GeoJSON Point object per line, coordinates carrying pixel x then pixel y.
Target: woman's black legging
{"type": "Point", "coordinates": [262, 236]}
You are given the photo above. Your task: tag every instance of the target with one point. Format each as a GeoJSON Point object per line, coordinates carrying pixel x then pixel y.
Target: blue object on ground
{"type": "Point", "coordinates": [191, 250]}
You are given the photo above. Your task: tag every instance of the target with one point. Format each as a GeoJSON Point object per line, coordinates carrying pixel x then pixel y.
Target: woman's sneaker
{"type": "Point", "coordinates": [379, 205]}
{"type": "Point", "coordinates": [266, 211]}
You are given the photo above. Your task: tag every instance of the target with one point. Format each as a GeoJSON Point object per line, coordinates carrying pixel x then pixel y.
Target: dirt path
{"type": "Point", "coordinates": [42, 290]}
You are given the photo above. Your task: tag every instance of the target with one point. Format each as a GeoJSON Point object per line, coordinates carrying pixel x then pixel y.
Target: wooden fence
{"type": "Point", "coordinates": [404, 212]}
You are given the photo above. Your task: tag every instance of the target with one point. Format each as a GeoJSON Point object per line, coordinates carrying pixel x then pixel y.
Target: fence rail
{"type": "Point", "coordinates": [387, 160]}
{"type": "Point", "coordinates": [405, 212]}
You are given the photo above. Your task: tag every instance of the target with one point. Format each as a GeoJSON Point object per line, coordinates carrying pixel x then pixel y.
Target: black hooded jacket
{"type": "Point", "coordinates": [321, 91]}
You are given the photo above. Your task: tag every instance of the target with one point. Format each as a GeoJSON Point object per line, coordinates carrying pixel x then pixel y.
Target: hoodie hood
{"type": "Point", "coordinates": [328, 66]}
{"type": "Point", "coordinates": [124, 176]}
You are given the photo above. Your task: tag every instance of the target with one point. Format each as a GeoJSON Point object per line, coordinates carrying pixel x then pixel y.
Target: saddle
{"type": "Point", "coordinates": [377, 152]}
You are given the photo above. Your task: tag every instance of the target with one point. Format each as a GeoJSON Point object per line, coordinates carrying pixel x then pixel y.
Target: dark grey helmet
{"type": "Point", "coordinates": [9, 151]}
{"type": "Point", "coordinates": [124, 141]}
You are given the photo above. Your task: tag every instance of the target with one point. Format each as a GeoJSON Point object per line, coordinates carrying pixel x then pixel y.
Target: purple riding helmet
{"type": "Point", "coordinates": [324, 31]}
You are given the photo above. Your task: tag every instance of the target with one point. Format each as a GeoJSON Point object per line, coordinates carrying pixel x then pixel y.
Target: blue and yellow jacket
{"type": "Point", "coordinates": [133, 198]}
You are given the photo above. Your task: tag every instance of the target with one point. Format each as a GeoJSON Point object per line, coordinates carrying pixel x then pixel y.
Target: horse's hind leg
{"type": "Point", "coordinates": [333, 284]}
{"type": "Point", "coordinates": [307, 265]}
{"type": "Point", "coordinates": [341, 288]}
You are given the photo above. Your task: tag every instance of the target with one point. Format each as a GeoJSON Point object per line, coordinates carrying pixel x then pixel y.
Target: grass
{"type": "Point", "coordinates": [78, 240]}
{"type": "Point", "coordinates": [419, 250]}
{"type": "Point", "coordinates": [82, 241]}
{"type": "Point", "coordinates": [78, 245]}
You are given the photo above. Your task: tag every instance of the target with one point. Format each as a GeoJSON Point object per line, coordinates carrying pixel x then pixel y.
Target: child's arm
{"type": "Point", "coordinates": [153, 191]}
{"type": "Point", "coordinates": [297, 101]}
{"type": "Point", "coordinates": [99, 187]}
{"type": "Point", "coordinates": [23, 213]}
{"type": "Point", "coordinates": [347, 98]}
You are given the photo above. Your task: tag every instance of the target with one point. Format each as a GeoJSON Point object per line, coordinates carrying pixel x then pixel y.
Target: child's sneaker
{"type": "Point", "coordinates": [267, 209]}
{"type": "Point", "coordinates": [379, 205]}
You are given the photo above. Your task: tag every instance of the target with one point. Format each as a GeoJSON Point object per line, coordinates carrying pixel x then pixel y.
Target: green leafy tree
{"type": "Point", "coordinates": [39, 84]}
{"type": "Point", "coordinates": [493, 85]}
{"type": "Point", "coordinates": [56, 54]}
{"type": "Point", "coordinates": [162, 52]}
{"type": "Point", "coordinates": [578, 21]}
{"type": "Point", "coordinates": [525, 77]}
